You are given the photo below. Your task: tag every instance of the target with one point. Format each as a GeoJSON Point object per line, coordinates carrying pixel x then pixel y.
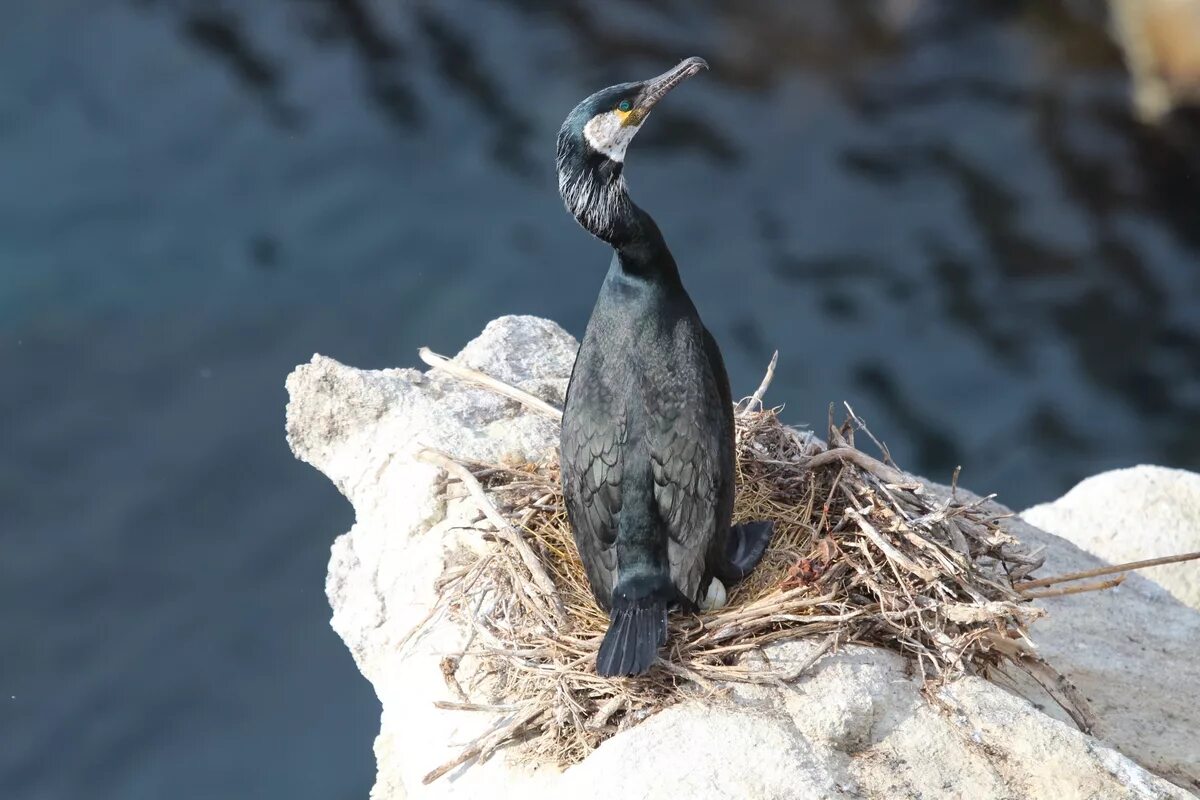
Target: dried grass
{"type": "Point", "coordinates": [862, 553]}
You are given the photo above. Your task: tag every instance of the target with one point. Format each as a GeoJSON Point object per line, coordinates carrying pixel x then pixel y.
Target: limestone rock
{"type": "Point", "coordinates": [1132, 651]}
{"type": "Point", "coordinates": [1133, 514]}
{"type": "Point", "coordinates": [1161, 43]}
{"type": "Point", "coordinates": [857, 726]}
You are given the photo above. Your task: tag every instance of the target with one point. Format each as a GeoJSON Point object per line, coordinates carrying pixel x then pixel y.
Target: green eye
{"type": "Point", "coordinates": [624, 105]}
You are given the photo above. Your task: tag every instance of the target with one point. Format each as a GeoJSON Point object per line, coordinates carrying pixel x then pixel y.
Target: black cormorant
{"type": "Point", "coordinates": [647, 433]}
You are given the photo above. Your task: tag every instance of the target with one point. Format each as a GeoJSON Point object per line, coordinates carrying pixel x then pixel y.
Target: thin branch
{"type": "Point", "coordinates": [861, 460]}
{"type": "Point", "coordinates": [486, 744]}
{"type": "Point", "coordinates": [888, 549]}
{"type": "Point", "coordinates": [490, 707]}
{"type": "Point", "coordinates": [606, 711]}
{"type": "Point", "coordinates": [887, 455]}
{"type": "Point", "coordinates": [755, 403]}
{"type": "Point", "coordinates": [503, 529]}
{"type": "Point", "coordinates": [1111, 570]}
{"type": "Point", "coordinates": [813, 657]}
{"type": "Point", "coordinates": [472, 375]}
{"type": "Point", "coordinates": [1060, 689]}
{"type": "Point", "coordinates": [1084, 587]}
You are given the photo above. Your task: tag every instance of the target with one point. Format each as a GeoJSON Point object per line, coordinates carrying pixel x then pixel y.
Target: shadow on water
{"type": "Point", "coordinates": [941, 212]}
{"type": "Point", "coordinates": [217, 33]}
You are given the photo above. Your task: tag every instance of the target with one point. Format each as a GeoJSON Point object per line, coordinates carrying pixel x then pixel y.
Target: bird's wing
{"type": "Point", "coordinates": [688, 456]}
{"type": "Point", "coordinates": [591, 471]}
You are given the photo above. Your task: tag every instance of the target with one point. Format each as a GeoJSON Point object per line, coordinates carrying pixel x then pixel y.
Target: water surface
{"type": "Point", "coordinates": [941, 212]}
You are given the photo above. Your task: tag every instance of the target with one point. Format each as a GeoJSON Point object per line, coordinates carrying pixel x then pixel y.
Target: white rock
{"type": "Point", "coordinates": [1161, 44]}
{"type": "Point", "coordinates": [1133, 514]}
{"type": "Point", "coordinates": [1132, 652]}
{"type": "Point", "coordinates": [857, 727]}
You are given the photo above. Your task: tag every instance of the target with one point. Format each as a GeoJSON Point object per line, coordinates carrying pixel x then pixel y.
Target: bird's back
{"type": "Point", "coordinates": [647, 442]}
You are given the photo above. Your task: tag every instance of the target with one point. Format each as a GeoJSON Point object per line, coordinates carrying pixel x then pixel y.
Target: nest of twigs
{"type": "Point", "coordinates": [862, 553]}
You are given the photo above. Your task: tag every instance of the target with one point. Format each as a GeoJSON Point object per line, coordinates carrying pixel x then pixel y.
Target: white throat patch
{"type": "Point", "coordinates": [607, 135]}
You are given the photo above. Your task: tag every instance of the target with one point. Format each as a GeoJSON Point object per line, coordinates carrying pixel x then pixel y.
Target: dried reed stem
{"type": "Point", "coordinates": [1110, 570]}
{"type": "Point", "coordinates": [755, 403]}
{"type": "Point", "coordinates": [471, 375]}
{"type": "Point", "coordinates": [483, 747]}
{"type": "Point", "coordinates": [1080, 589]}
{"type": "Point", "coordinates": [503, 529]}
{"type": "Point", "coordinates": [890, 551]}
{"type": "Point", "coordinates": [863, 461]}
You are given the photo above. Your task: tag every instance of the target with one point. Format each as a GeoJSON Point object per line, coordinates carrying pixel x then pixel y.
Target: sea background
{"type": "Point", "coordinates": [941, 212]}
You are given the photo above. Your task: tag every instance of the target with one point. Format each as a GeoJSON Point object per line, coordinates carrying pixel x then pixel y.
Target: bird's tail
{"type": "Point", "coordinates": [637, 626]}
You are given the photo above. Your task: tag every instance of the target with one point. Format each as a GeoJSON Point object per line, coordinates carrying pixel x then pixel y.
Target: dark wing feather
{"type": "Point", "coordinates": [691, 457]}
{"type": "Point", "coordinates": [591, 473]}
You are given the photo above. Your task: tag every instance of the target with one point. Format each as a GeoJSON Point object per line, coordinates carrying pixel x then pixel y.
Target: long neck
{"type": "Point", "coordinates": [600, 202]}
{"type": "Point", "coordinates": [641, 250]}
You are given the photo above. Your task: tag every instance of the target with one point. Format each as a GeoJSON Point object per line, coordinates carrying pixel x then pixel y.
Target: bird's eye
{"type": "Point", "coordinates": [625, 106]}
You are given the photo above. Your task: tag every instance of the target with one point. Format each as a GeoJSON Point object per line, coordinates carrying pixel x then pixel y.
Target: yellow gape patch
{"type": "Point", "coordinates": [631, 118]}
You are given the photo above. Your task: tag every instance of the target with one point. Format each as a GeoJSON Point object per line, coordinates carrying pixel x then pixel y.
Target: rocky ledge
{"type": "Point", "coordinates": [1131, 514]}
{"type": "Point", "coordinates": [858, 726]}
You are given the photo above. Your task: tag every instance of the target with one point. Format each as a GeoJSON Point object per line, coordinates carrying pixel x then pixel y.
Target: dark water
{"type": "Point", "coordinates": [940, 211]}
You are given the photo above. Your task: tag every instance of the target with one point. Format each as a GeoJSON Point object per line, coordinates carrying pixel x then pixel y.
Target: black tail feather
{"type": "Point", "coordinates": [637, 629]}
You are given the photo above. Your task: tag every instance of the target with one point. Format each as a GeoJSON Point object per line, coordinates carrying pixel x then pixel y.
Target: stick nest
{"type": "Point", "coordinates": [862, 552]}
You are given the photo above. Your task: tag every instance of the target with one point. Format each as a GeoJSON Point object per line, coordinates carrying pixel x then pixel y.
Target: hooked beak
{"type": "Point", "coordinates": [656, 88]}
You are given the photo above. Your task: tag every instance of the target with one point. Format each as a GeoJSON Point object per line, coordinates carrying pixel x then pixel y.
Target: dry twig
{"type": "Point", "coordinates": [532, 562]}
{"type": "Point", "coordinates": [755, 402]}
{"type": "Point", "coordinates": [1110, 570]}
{"type": "Point", "coordinates": [471, 375]}
{"type": "Point", "coordinates": [1080, 589]}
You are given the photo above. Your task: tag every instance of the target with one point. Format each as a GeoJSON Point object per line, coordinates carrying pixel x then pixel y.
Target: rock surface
{"type": "Point", "coordinates": [1161, 43]}
{"type": "Point", "coordinates": [1132, 651]}
{"type": "Point", "coordinates": [1133, 514]}
{"type": "Point", "coordinates": [857, 727]}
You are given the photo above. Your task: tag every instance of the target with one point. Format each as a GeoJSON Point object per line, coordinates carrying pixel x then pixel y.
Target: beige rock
{"type": "Point", "coordinates": [1161, 42]}
{"type": "Point", "coordinates": [1133, 514]}
{"type": "Point", "coordinates": [1132, 651]}
{"type": "Point", "coordinates": [858, 726]}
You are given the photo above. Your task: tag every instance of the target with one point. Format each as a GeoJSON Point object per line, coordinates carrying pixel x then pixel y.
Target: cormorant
{"type": "Point", "coordinates": [647, 432]}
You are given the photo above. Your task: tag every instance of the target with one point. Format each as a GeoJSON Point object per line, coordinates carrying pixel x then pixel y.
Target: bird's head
{"type": "Point", "coordinates": [593, 140]}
